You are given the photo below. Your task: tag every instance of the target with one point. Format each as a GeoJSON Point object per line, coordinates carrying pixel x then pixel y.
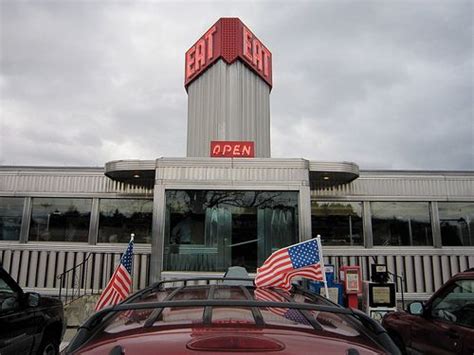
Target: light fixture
{"type": "Point", "coordinates": [326, 177]}
{"type": "Point", "coordinates": [136, 176]}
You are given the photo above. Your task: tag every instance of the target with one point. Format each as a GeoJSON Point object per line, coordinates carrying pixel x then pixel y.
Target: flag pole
{"type": "Point", "coordinates": [132, 236]}
{"type": "Point", "coordinates": [321, 261]}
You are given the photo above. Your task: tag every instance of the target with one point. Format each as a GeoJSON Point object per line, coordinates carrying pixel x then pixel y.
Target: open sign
{"type": "Point", "coordinates": [232, 149]}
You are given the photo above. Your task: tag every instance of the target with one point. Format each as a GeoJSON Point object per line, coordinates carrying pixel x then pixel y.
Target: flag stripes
{"type": "Point", "coordinates": [302, 259]}
{"type": "Point", "coordinates": [267, 295]}
{"type": "Point", "coordinates": [293, 315]}
{"type": "Point", "coordinates": [120, 284]}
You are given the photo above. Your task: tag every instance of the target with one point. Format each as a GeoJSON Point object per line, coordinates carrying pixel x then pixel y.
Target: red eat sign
{"type": "Point", "coordinates": [232, 149]}
{"type": "Point", "coordinates": [230, 40]}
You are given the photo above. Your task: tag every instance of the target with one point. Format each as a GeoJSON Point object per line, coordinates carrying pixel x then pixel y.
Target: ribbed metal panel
{"type": "Point", "coordinates": [38, 266]}
{"type": "Point", "coordinates": [334, 167]}
{"type": "Point", "coordinates": [130, 165]}
{"type": "Point", "coordinates": [460, 186]}
{"type": "Point", "coordinates": [259, 171]}
{"type": "Point", "coordinates": [410, 185]}
{"type": "Point", "coordinates": [228, 103]}
{"type": "Point", "coordinates": [63, 180]}
{"type": "Point", "coordinates": [424, 270]}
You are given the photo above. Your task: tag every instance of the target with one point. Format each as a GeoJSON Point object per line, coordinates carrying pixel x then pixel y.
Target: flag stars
{"type": "Point", "coordinates": [305, 254]}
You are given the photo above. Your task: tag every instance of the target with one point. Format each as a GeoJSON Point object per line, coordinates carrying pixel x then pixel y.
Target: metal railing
{"type": "Point", "coordinates": [74, 283]}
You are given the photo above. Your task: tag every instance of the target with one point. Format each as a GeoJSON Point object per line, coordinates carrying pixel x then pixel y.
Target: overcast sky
{"type": "Point", "coordinates": [384, 84]}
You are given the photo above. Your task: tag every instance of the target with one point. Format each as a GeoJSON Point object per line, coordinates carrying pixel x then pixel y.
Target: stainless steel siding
{"type": "Point", "coordinates": [430, 186]}
{"type": "Point", "coordinates": [38, 266]}
{"type": "Point", "coordinates": [221, 170]}
{"type": "Point", "coordinates": [68, 182]}
{"type": "Point", "coordinates": [228, 102]}
{"type": "Point", "coordinates": [423, 269]}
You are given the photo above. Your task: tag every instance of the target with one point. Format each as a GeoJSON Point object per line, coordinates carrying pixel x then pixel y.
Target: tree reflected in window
{"type": "Point", "coordinates": [338, 223]}
{"type": "Point", "coordinates": [11, 212]}
{"type": "Point", "coordinates": [119, 218]}
{"type": "Point", "coordinates": [212, 230]}
{"type": "Point", "coordinates": [457, 223]}
{"type": "Point", "coordinates": [60, 219]}
{"type": "Point", "coordinates": [401, 223]}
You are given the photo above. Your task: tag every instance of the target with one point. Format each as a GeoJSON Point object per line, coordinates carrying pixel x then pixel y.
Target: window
{"type": "Point", "coordinates": [5, 288]}
{"type": "Point", "coordinates": [338, 223]}
{"type": "Point", "coordinates": [457, 223]}
{"type": "Point", "coordinates": [212, 230]}
{"type": "Point", "coordinates": [401, 223]}
{"type": "Point", "coordinates": [11, 211]}
{"type": "Point", "coordinates": [60, 219]}
{"type": "Point", "coordinates": [457, 304]}
{"type": "Point", "coordinates": [118, 219]}
{"type": "Point", "coordinates": [8, 298]}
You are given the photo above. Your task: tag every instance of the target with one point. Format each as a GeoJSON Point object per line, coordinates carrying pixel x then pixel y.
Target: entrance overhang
{"type": "Point", "coordinates": [323, 175]}
{"type": "Point", "coordinates": [133, 172]}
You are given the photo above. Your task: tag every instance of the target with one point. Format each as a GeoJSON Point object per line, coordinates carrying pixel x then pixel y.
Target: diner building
{"type": "Point", "coordinates": [228, 202]}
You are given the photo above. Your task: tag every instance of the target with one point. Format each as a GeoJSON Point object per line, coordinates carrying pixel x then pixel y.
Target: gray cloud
{"type": "Point", "coordinates": [386, 85]}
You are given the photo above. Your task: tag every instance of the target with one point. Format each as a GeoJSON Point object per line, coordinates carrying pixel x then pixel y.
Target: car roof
{"type": "Point", "coordinates": [465, 274]}
{"type": "Point", "coordinates": [236, 302]}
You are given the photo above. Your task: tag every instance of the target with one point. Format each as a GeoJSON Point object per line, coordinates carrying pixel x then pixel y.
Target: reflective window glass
{"type": "Point", "coordinates": [457, 304]}
{"type": "Point", "coordinates": [212, 230]}
{"type": "Point", "coordinates": [401, 223]}
{"type": "Point", "coordinates": [120, 218]}
{"type": "Point", "coordinates": [11, 211]}
{"type": "Point", "coordinates": [338, 223]}
{"type": "Point", "coordinates": [60, 219]}
{"type": "Point", "coordinates": [9, 299]}
{"type": "Point", "coordinates": [457, 223]}
{"type": "Point", "coordinates": [5, 288]}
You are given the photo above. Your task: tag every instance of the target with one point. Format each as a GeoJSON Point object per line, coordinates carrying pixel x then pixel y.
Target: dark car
{"type": "Point", "coordinates": [29, 323]}
{"type": "Point", "coordinates": [442, 325]}
{"type": "Point", "coordinates": [228, 315]}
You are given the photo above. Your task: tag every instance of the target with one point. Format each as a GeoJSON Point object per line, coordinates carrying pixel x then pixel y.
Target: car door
{"type": "Point", "coordinates": [448, 324]}
{"type": "Point", "coordinates": [17, 323]}
{"type": "Point", "coordinates": [441, 337]}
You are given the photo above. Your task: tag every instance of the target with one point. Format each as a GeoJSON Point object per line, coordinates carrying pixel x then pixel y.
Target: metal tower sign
{"type": "Point", "coordinates": [230, 40]}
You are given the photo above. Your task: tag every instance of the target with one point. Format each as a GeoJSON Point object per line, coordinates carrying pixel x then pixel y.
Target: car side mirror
{"type": "Point", "coordinates": [32, 299]}
{"type": "Point", "coordinates": [416, 308]}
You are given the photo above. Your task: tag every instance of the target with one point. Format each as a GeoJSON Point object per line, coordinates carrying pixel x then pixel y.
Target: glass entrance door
{"type": "Point", "coordinates": [211, 230]}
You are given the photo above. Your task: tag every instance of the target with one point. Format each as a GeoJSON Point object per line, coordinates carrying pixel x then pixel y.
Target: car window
{"type": "Point", "coordinates": [456, 305]}
{"type": "Point", "coordinates": [5, 288]}
{"type": "Point", "coordinates": [8, 297]}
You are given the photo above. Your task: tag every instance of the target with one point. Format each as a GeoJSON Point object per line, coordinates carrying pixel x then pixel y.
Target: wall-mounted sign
{"type": "Point", "coordinates": [230, 40]}
{"type": "Point", "coordinates": [232, 149]}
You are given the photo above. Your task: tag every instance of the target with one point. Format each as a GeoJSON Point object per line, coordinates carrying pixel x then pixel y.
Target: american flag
{"type": "Point", "coordinates": [120, 285]}
{"type": "Point", "coordinates": [302, 259]}
{"type": "Point", "coordinates": [289, 313]}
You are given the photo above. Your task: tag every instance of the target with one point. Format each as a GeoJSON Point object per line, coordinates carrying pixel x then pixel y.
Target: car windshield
{"type": "Point", "coordinates": [456, 305]}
